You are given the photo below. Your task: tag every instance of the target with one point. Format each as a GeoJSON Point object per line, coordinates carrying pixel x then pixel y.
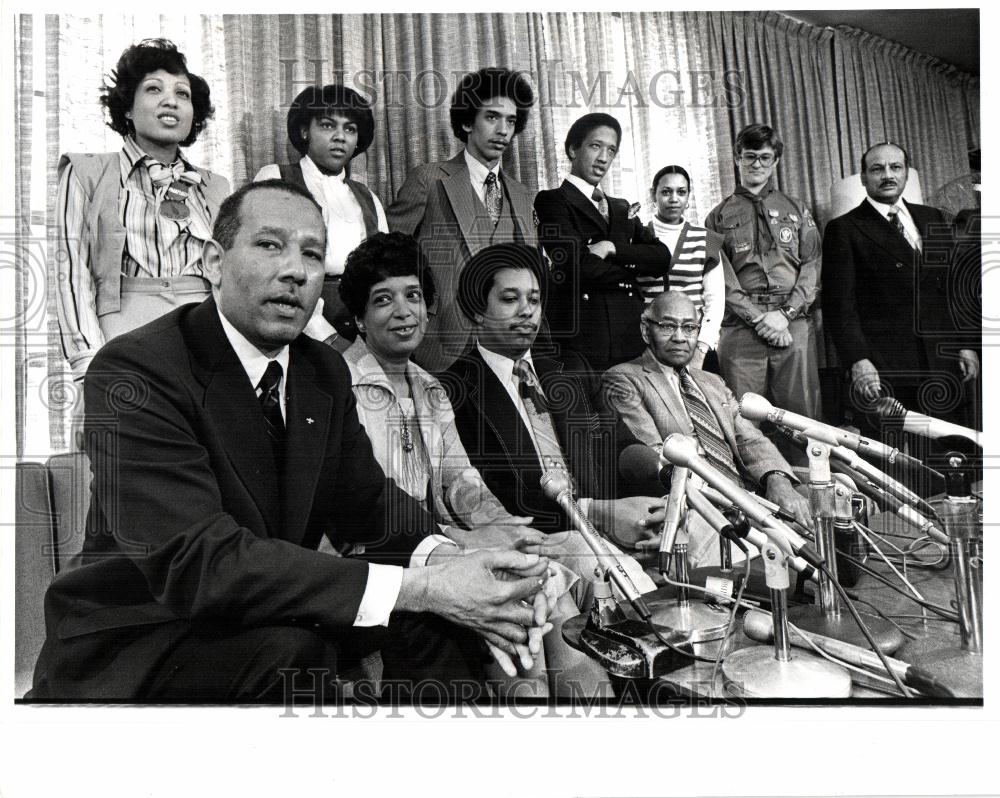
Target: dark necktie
{"type": "Point", "coordinates": [602, 202]}
{"type": "Point", "coordinates": [494, 197]}
{"type": "Point", "coordinates": [763, 236]}
{"type": "Point", "coordinates": [707, 429]}
{"type": "Point", "coordinates": [897, 223]}
{"type": "Point", "coordinates": [270, 403]}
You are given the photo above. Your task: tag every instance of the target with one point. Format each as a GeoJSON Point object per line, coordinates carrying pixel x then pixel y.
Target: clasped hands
{"type": "Point", "coordinates": [772, 326]}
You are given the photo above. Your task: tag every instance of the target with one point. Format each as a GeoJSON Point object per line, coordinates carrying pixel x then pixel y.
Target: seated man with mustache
{"type": "Point", "coordinates": [519, 414]}
{"type": "Point", "coordinates": [457, 207]}
{"type": "Point", "coordinates": [225, 444]}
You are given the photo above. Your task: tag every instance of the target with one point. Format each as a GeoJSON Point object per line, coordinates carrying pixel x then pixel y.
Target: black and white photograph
{"type": "Point", "coordinates": [420, 393]}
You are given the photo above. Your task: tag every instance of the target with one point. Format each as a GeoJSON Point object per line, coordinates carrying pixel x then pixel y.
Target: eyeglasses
{"type": "Point", "coordinates": [668, 328]}
{"type": "Point", "coordinates": [748, 158]}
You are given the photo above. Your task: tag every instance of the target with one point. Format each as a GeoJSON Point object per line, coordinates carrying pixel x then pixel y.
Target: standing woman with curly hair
{"type": "Point", "coordinates": [131, 224]}
{"type": "Point", "coordinates": [330, 127]}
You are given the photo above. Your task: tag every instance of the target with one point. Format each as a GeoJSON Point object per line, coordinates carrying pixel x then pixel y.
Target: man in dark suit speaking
{"type": "Point", "coordinates": [885, 301]}
{"type": "Point", "coordinates": [224, 446]}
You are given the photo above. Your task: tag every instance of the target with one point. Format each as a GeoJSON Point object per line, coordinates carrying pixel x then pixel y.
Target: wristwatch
{"type": "Point", "coordinates": [789, 312]}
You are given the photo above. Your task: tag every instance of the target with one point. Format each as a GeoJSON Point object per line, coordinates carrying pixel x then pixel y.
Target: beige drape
{"type": "Point", "coordinates": [681, 115]}
{"type": "Point", "coordinates": [828, 92]}
{"type": "Point", "coordinates": [786, 69]}
{"type": "Point", "coordinates": [887, 92]}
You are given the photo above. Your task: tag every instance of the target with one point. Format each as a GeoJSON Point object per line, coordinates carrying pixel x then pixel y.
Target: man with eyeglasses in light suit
{"type": "Point", "coordinates": [767, 345]}
{"type": "Point", "coordinates": [651, 395]}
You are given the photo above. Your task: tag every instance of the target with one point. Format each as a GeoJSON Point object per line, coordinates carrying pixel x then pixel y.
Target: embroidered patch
{"type": "Point", "coordinates": [773, 213]}
{"type": "Point", "coordinates": [785, 235]}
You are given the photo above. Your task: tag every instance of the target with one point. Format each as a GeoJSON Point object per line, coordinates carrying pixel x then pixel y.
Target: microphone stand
{"type": "Point", "coordinates": [690, 622]}
{"type": "Point", "coordinates": [961, 667]}
{"type": "Point", "coordinates": [757, 672]}
{"type": "Point", "coordinates": [832, 513]}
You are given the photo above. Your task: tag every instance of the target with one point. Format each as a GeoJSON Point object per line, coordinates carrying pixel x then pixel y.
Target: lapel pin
{"type": "Point", "coordinates": [309, 420]}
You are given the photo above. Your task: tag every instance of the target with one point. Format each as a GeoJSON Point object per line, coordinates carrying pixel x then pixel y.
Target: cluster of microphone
{"type": "Point", "coordinates": [720, 501]}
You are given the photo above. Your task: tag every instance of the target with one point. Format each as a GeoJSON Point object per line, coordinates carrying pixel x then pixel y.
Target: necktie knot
{"type": "Point", "coordinates": [602, 202]}
{"type": "Point", "coordinates": [272, 377]}
{"type": "Point", "coordinates": [528, 385]}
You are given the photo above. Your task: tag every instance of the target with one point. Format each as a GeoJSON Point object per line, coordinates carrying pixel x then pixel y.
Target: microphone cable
{"type": "Point", "coordinates": [864, 629]}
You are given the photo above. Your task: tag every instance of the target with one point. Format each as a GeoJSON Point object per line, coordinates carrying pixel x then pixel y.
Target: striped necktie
{"type": "Point", "coordinates": [707, 429]}
{"type": "Point", "coordinates": [549, 450]}
{"type": "Point", "coordinates": [897, 223]}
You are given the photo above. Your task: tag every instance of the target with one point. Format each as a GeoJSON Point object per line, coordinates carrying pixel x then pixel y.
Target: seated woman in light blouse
{"type": "Point", "coordinates": [131, 224]}
{"type": "Point", "coordinates": [406, 412]}
{"type": "Point", "coordinates": [330, 127]}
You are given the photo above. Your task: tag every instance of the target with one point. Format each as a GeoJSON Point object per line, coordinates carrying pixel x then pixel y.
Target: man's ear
{"type": "Point", "coordinates": [644, 330]}
{"type": "Point", "coordinates": [211, 261]}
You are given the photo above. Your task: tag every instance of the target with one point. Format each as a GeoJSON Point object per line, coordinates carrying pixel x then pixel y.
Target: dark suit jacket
{"type": "Point", "coordinates": [187, 521]}
{"type": "Point", "coordinates": [884, 302]}
{"type": "Point", "coordinates": [594, 303]}
{"type": "Point", "coordinates": [438, 207]}
{"type": "Point", "coordinates": [500, 447]}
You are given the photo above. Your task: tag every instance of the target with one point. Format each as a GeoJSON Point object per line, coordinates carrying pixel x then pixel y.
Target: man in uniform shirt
{"type": "Point", "coordinates": [771, 240]}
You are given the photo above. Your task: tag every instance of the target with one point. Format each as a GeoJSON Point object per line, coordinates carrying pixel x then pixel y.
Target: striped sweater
{"type": "Point", "coordinates": [693, 258]}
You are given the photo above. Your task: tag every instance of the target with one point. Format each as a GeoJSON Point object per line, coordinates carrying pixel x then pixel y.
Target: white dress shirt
{"type": "Point", "coordinates": [585, 188]}
{"type": "Point", "coordinates": [384, 581]}
{"type": "Point", "coordinates": [503, 367]}
{"type": "Point", "coordinates": [904, 216]}
{"type": "Point", "coordinates": [477, 175]}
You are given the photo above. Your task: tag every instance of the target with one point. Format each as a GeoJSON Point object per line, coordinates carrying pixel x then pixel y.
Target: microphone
{"type": "Point", "coordinates": [856, 466]}
{"type": "Point", "coordinates": [680, 450]}
{"type": "Point", "coordinates": [639, 463]}
{"type": "Point", "coordinates": [705, 502]}
{"type": "Point", "coordinates": [557, 486]}
{"type": "Point", "coordinates": [927, 426]}
{"type": "Point", "coordinates": [672, 517]}
{"type": "Point", "coordinates": [717, 498]}
{"type": "Point", "coordinates": [756, 408]}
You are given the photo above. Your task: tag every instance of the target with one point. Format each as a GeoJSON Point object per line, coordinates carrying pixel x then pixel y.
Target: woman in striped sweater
{"type": "Point", "coordinates": [696, 260]}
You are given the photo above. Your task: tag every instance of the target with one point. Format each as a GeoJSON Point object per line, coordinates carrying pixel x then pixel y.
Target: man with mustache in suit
{"type": "Point", "coordinates": [225, 444]}
{"type": "Point", "coordinates": [885, 299]}
{"type": "Point", "coordinates": [457, 207]}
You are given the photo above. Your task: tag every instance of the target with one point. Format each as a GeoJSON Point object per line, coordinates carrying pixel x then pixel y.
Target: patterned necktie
{"type": "Point", "coordinates": [602, 202]}
{"type": "Point", "coordinates": [897, 223]}
{"type": "Point", "coordinates": [494, 197]}
{"type": "Point", "coordinates": [707, 429]}
{"type": "Point", "coordinates": [270, 403]}
{"type": "Point", "coordinates": [549, 450]}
